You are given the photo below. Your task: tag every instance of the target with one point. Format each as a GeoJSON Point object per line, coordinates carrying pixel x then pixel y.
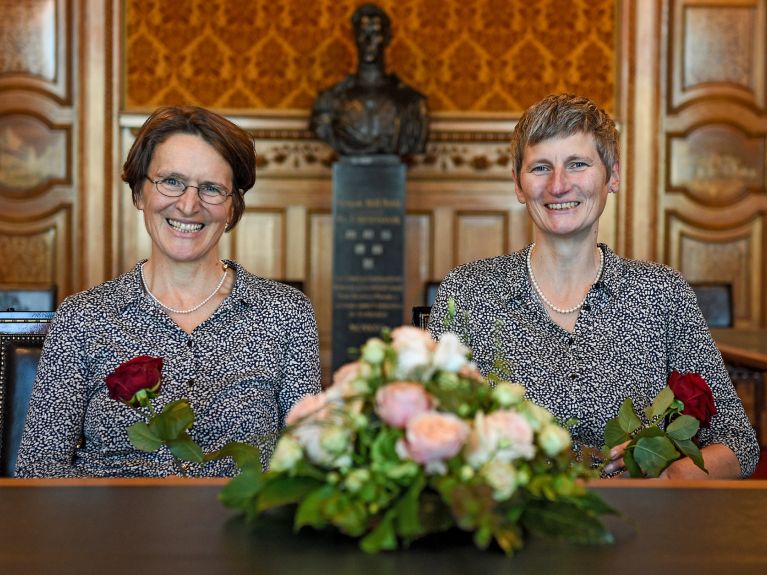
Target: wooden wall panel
{"type": "Point", "coordinates": [713, 192]}
{"type": "Point", "coordinates": [730, 255]}
{"type": "Point", "coordinates": [259, 242]}
{"type": "Point", "coordinates": [39, 204]}
{"type": "Point", "coordinates": [479, 235]}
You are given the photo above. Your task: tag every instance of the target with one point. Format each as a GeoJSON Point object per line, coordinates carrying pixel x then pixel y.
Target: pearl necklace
{"type": "Point", "coordinates": [182, 311]}
{"type": "Point", "coordinates": [545, 299]}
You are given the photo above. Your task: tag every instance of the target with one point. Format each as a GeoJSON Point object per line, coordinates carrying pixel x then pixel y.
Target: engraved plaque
{"type": "Point", "coordinates": [368, 250]}
{"type": "Point", "coordinates": [33, 155]}
{"type": "Point", "coordinates": [717, 164]}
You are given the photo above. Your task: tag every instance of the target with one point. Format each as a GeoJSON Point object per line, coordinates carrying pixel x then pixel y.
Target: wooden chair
{"type": "Point", "coordinates": [715, 301]}
{"type": "Point", "coordinates": [421, 315]}
{"type": "Point", "coordinates": [14, 298]}
{"type": "Point", "coordinates": [21, 341]}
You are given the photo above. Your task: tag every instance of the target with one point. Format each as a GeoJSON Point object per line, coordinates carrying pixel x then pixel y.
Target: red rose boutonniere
{"type": "Point", "coordinates": [685, 405]}
{"type": "Point", "coordinates": [135, 383]}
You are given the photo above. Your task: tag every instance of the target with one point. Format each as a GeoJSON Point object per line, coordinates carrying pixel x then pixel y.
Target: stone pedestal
{"type": "Point", "coordinates": [368, 250]}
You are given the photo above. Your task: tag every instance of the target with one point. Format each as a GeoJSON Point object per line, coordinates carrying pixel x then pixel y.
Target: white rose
{"type": "Point", "coordinates": [287, 453]}
{"type": "Point", "coordinates": [414, 347]}
{"type": "Point", "coordinates": [536, 415]}
{"type": "Point", "coordinates": [508, 394]}
{"type": "Point", "coordinates": [450, 354]}
{"type": "Point", "coordinates": [502, 477]}
{"type": "Point", "coordinates": [553, 439]}
{"type": "Point", "coordinates": [504, 435]}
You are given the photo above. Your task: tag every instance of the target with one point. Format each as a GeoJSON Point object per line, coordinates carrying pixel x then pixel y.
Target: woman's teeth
{"type": "Point", "coordinates": [184, 227]}
{"type": "Point", "coordinates": [562, 206]}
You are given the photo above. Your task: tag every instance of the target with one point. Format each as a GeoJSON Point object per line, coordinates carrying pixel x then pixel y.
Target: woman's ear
{"type": "Point", "coordinates": [614, 183]}
{"type": "Point", "coordinates": [518, 188]}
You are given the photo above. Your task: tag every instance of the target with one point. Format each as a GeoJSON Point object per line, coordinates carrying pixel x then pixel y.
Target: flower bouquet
{"type": "Point", "coordinates": [411, 440]}
{"type": "Point", "coordinates": [683, 406]}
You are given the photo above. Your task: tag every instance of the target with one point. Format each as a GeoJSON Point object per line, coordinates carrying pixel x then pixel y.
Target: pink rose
{"type": "Point", "coordinates": [431, 438]}
{"type": "Point", "coordinates": [310, 407]}
{"type": "Point", "coordinates": [504, 435]}
{"type": "Point", "coordinates": [349, 381]}
{"type": "Point", "coordinates": [397, 403]}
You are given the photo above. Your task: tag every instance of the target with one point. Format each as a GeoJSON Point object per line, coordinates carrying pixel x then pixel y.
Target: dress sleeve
{"type": "Point", "coordinates": [301, 369]}
{"type": "Point", "coordinates": [692, 349]}
{"type": "Point", "coordinates": [54, 422]}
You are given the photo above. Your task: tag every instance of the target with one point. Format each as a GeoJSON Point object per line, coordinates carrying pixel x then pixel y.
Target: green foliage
{"type": "Point", "coordinates": [650, 449]}
{"type": "Point", "coordinates": [373, 489]}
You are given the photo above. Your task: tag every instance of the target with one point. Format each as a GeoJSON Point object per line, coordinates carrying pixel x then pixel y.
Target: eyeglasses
{"type": "Point", "coordinates": [174, 188]}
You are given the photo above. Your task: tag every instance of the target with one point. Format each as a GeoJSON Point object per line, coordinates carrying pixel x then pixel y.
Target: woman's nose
{"type": "Point", "coordinates": [189, 201]}
{"type": "Point", "coordinates": [559, 181]}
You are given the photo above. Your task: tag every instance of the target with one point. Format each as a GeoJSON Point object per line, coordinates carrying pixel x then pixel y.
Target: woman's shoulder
{"type": "Point", "coordinates": [487, 271]}
{"type": "Point", "coordinates": [254, 288]}
{"type": "Point", "coordinates": [113, 293]}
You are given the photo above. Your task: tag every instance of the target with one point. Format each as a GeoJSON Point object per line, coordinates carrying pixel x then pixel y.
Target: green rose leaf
{"type": "Point", "coordinates": [245, 455]}
{"type": "Point", "coordinates": [688, 448]}
{"type": "Point", "coordinates": [631, 465]}
{"type": "Point", "coordinates": [142, 437]}
{"type": "Point", "coordinates": [280, 490]}
{"type": "Point", "coordinates": [654, 454]}
{"type": "Point", "coordinates": [407, 510]}
{"type": "Point", "coordinates": [241, 490]}
{"type": "Point", "coordinates": [382, 537]}
{"type": "Point", "coordinates": [185, 448]}
{"type": "Point", "coordinates": [683, 428]}
{"type": "Point", "coordinates": [175, 418]}
{"type": "Point", "coordinates": [627, 417]}
{"type": "Point", "coordinates": [661, 403]}
{"type": "Point", "coordinates": [614, 433]}
{"type": "Point", "coordinates": [310, 510]}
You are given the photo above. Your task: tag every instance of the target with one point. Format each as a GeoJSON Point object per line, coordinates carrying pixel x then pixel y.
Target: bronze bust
{"type": "Point", "coordinates": [371, 112]}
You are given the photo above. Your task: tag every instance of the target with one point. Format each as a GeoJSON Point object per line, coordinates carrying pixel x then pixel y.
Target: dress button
{"type": "Point", "coordinates": [570, 340]}
{"type": "Point", "coordinates": [586, 307]}
{"type": "Point", "coordinates": [573, 376]}
{"type": "Point", "coordinates": [190, 382]}
{"type": "Point", "coordinates": [189, 342]}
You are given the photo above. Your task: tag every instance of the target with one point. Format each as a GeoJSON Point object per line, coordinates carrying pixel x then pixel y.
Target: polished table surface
{"type": "Point", "coordinates": [178, 526]}
{"type": "Point", "coordinates": [744, 346]}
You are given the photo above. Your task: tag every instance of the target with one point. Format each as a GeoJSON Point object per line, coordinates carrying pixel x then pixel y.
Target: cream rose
{"type": "Point", "coordinates": [450, 354]}
{"type": "Point", "coordinates": [504, 435]}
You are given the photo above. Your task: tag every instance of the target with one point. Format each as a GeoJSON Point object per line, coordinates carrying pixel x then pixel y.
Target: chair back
{"type": "Point", "coordinates": [21, 342]}
{"type": "Point", "coordinates": [13, 298]}
{"type": "Point", "coordinates": [715, 301]}
{"type": "Point", "coordinates": [421, 315]}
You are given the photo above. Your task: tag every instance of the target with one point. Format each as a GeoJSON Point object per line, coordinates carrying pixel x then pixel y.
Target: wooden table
{"type": "Point", "coordinates": [178, 526]}
{"type": "Point", "coordinates": [745, 347]}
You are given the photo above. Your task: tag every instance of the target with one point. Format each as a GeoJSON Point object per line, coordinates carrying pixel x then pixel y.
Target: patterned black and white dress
{"type": "Point", "coordinates": [639, 322]}
{"type": "Point", "coordinates": [241, 369]}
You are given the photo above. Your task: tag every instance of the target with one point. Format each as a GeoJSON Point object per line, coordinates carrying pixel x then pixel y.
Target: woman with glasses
{"type": "Point", "coordinates": [241, 348]}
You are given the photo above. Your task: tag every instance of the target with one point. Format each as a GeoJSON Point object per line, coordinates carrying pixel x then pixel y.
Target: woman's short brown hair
{"type": "Point", "coordinates": [228, 139]}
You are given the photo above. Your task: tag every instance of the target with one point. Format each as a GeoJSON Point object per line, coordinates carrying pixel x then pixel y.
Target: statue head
{"type": "Point", "coordinates": [372, 32]}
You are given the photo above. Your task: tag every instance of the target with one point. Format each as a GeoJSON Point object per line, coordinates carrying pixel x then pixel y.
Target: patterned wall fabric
{"type": "Point", "coordinates": [466, 56]}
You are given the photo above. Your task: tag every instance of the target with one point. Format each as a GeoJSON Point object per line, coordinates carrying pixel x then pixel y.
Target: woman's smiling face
{"type": "Point", "coordinates": [564, 184]}
{"type": "Point", "coordinates": [184, 228]}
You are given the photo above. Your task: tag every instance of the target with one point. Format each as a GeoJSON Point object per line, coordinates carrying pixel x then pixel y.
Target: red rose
{"type": "Point", "coordinates": [692, 390]}
{"type": "Point", "coordinates": [142, 372]}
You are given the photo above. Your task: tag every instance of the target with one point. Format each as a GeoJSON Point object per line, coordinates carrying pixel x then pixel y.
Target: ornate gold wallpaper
{"type": "Point", "coordinates": [477, 56]}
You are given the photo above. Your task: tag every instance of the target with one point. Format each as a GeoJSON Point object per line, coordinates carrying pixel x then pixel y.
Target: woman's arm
{"type": "Point", "coordinates": [720, 461]}
{"type": "Point", "coordinates": [53, 426]}
{"type": "Point", "coordinates": [301, 369]}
